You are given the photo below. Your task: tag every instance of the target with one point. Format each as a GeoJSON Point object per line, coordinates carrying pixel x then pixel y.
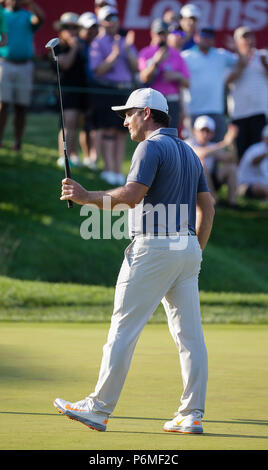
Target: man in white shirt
{"type": "Point", "coordinates": [218, 159]}
{"type": "Point", "coordinates": [248, 99]}
{"type": "Point", "coordinates": [253, 169]}
{"type": "Point", "coordinates": [208, 67]}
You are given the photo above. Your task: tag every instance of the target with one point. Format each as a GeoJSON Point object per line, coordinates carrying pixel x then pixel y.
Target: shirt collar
{"type": "Point", "coordinates": [172, 131]}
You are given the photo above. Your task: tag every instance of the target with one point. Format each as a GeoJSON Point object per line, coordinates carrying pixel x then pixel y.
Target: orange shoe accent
{"type": "Point", "coordinates": [68, 407]}
{"type": "Point", "coordinates": [182, 432]}
{"type": "Point", "coordinates": [197, 423]}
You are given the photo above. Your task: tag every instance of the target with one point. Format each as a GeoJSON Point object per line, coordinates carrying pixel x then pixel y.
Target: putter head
{"type": "Point", "coordinates": [51, 45]}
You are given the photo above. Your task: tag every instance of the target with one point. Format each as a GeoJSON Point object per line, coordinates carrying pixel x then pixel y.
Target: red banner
{"type": "Point", "coordinates": [224, 15]}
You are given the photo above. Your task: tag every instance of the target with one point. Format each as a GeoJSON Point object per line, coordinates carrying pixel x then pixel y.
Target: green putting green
{"type": "Point", "coordinates": [40, 362]}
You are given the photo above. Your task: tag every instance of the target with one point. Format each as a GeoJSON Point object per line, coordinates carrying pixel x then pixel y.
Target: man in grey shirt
{"type": "Point", "coordinates": [161, 264]}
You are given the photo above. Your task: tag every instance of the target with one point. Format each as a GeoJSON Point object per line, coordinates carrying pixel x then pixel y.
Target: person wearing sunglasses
{"type": "Point", "coordinates": [113, 58]}
{"type": "Point", "coordinates": [189, 17]}
{"type": "Point", "coordinates": [163, 68]}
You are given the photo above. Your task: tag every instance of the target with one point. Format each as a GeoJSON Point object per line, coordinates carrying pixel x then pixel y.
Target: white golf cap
{"type": "Point", "coordinates": [144, 97]}
{"type": "Point", "coordinates": [264, 133]}
{"type": "Point", "coordinates": [66, 19]}
{"type": "Point", "coordinates": [88, 19]}
{"type": "Point", "coordinates": [241, 31]}
{"type": "Point", "coordinates": [190, 10]}
{"type": "Point", "coordinates": [106, 11]}
{"type": "Point", "coordinates": [112, 3]}
{"type": "Point", "coordinates": [204, 122]}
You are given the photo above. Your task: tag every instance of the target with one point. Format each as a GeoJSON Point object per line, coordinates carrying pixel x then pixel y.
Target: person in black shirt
{"type": "Point", "coordinates": [74, 81]}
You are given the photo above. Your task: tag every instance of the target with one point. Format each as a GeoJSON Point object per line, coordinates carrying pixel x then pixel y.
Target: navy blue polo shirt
{"type": "Point", "coordinates": [174, 176]}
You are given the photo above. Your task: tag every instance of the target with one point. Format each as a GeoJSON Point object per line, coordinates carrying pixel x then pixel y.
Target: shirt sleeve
{"type": "Point", "coordinates": [142, 60]}
{"type": "Point", "coordinates": [144, 164]}
{"type": "Point", "coordinates": [202, 183]}
{"type": "Point", "coordinates": [230, 58]}
{"type": "Point", "coordinates": [182, 67]}
{"type": "Point", "coordinates": [96, 56]}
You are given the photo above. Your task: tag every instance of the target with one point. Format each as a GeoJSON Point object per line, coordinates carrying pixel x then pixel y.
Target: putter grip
{"type": "Point", "coordinates": [68, 175]}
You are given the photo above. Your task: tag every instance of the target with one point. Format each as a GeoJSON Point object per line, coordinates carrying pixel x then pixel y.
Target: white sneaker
{"type": "Point", "coordinates": [61, 162]}
{"type": "Point", "coordinates": [109, 177]}
{"type": "Point", "coordinates": [75, 161]}
{"type": "Point", "coordinates": [89, 163]}
{"type": "Point", "coordinates": [80, 411]}
{"type": "Point", "coordinates": [190, 424]}
{"type": "Point", "coordinates": [120, 179]}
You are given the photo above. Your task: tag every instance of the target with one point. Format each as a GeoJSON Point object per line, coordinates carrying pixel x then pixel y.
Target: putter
{"type": "Point", "coordinates": [52, 45]}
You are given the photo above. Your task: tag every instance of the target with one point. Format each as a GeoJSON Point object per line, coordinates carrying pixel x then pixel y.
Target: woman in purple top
{"type": "Point", "coordinates": [113, 60]}
{"type": "Point", "coordinates": [162, 68]}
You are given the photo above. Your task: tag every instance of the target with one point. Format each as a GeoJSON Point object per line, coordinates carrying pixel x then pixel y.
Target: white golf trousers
{"type": "Point", "coordinates": [155, 270]}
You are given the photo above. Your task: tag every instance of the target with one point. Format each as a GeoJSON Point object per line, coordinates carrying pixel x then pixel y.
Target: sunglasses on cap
{"type": "Point", "coordinates": [207, 33]}
{"type": "Point", "coordinates": [69, 27]}
{"type": "Point", "coordinates": [111, 18]}
{"type": "Point", "coordinates": [193, 18]}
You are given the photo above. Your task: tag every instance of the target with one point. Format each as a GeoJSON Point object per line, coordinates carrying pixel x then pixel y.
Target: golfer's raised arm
{"type": "Point", "coordinates": [130, 194]}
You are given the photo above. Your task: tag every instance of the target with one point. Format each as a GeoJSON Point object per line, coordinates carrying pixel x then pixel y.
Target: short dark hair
{"type": "Point", "coordinates": [160, 117]}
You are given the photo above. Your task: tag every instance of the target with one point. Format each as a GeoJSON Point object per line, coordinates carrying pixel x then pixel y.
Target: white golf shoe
{"type": "Point", "coordinates": [190, 424]}
{"type": "Point", "coordinates": [80, 411]}
{"type": "Point", "coordinates": [109, 177]}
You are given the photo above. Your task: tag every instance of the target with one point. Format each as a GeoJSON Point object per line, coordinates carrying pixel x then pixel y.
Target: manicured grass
{"type": "Point", "coordinates": [40, 362]}
{"type": "Point", "coordinates": [56, 299]}
{"type": "Point", "coordinates": [45, 302]}
{"type": "Point", "coordinates": [40, 238]}
{"type": "Point", "coordinates": [49, 273]}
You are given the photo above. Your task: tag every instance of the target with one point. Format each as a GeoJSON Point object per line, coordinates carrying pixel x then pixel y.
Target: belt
{"type": "Point", "coordinates": [163, 235]}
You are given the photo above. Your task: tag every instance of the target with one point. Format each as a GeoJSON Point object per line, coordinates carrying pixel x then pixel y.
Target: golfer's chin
{"type": "Point", "coordinates": [134, 136]}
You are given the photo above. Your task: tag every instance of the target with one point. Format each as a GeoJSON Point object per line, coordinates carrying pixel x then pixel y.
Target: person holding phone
{"type": "Point", "coordinates": [162, 68]}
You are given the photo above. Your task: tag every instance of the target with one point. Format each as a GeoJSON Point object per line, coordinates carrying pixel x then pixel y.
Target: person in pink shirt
{"type": "Point", "coordinates": [162, 68]}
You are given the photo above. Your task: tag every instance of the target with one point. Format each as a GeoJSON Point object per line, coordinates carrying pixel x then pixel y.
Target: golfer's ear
{"type": "Point", "coordinates": [147, 113]}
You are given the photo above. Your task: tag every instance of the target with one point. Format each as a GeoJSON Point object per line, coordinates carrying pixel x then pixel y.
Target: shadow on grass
{"type": "Point", "coordinates": [205, 434]}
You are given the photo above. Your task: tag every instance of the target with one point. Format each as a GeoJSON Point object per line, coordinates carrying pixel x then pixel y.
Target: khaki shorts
{"type": "Point", "coordinates": [16, 82]}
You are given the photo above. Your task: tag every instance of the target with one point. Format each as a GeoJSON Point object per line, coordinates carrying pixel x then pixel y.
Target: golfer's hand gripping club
{"type": "Point", "coordinates": [52, 44]}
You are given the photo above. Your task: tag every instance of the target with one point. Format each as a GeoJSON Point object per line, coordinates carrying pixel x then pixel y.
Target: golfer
{"type": "Point", "coordinates": [161, 263]}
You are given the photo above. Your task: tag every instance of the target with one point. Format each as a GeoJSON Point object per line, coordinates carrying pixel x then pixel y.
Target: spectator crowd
{"type": "Point", "coordinates": [217, 97]}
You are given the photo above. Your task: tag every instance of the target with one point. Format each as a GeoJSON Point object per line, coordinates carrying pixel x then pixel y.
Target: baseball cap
{"type": "Point", "coordinates": [88, 19]}
{"type": "Point", "coordinates": [106, 11]}
{"type": "Point", "coordinates": [190, 11]}
{"type": "Point", "coordinates": [204, 122]}
{"type": "Point", "coordinates": [112, 3]}
{"type": "Point", "coordinates": [159, 26]}
{"type": "Point", "coordinates": [241, 31]}
{"type": "Point", "coordinates": [207, 31]}
{"type": "Point", "coordinates": [264, 133]}
{"type": "Point", "coordinates": [67, 18]}
{"type": "Point", "coordinates": [141, 98]}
